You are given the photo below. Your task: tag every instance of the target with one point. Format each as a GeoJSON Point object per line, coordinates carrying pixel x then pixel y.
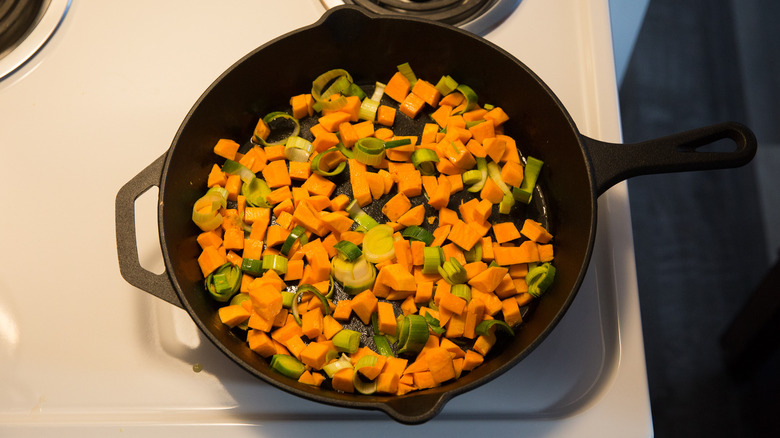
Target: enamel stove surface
{"type": "Point", "coordinates": [84, 353]}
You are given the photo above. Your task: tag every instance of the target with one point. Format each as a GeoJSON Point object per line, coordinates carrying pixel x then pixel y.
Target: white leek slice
{"type": "Point", "coordinates": [355, 274]}
{"type": "Point", "coordinates": [482, 168]}
{"type": "Point", "coordinates": [495, 174]}
{"type": "Point", "coordinates": [378, 244]}
{"type": "Point", "coordinates": [298, 149]}
{"type": "Point", "coordinates": [362, 385]}
{"type": "Point", "coordinates": [379, 91]}
{"type": "Point", "coordinates": [368, 109]}
{"type": "Point", "coordinates": [337, 365]}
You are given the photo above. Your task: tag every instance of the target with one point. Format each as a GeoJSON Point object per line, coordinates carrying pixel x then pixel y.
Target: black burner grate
{"type": "Point", "coordinates": [17, 19]}
{"type": "Point", "coordinates": [447, 11]}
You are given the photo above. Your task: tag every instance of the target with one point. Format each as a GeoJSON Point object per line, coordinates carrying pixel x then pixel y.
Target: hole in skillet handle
{"type": "Point", "coordinates": [697, 149]}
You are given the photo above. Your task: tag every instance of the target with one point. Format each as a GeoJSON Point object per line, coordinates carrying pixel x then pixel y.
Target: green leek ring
{"type": "Point", "coordinates": [315, 163]}
{"type": "Point", "coordinates": [307, 288]}
{"type": "Point", "coordinates": [279, 115]}
{"type": "Point", "coordinates": [321, 97]}
{"type": "Point", "coordinates": [484, 327]}
{"type": "Point", "coordinates": [425, 161]}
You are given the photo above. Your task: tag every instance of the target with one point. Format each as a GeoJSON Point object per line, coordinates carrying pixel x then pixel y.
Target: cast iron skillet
{"type": "Point", "coordinates": [577, 170]}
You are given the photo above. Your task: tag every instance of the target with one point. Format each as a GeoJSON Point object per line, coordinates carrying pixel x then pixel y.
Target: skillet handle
{"type": "Point", "coordinates": [416, 409]}
{"type": "Point", "coordinates": [613, 163]}
{"type": "Point", "coordinates": [158, 285]}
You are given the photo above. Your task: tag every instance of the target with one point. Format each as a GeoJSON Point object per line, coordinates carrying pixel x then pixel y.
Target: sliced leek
{"type": "Point", "coordinates": [408, 73]}
{"type": "Point", "coordinates": [369, 151]}
{"type": "Point", "coordinates": [533, 167]}
{"type": "Point", "coordinates": [346, 341]}
{"type": "Point", "coordinates": [452, 271]}
{"type": "Point", "coordinates": [355, 277]}
{"type": "Point", "coordinates": [321, 96]}
{"type": "Point", "coordinates": [415, 232]}
{"type": "Point", "coordinates": [338, 86]}
{"type": "Point", "coordinates": [235, 168]}
{"type": "Point", "coordinates": [390, 144]}
{"type": "Point", "coordinates": [472, 176]}
{"type": "Point", "coordinates": [539, 279]}
{"type": "Point", "coordinates": [354, 90]}
{"type": "Point", "coordinates": [383, 345]}
{"type": "Point", "coordinates": [252, 266]}
{"type": "Point", "coordinates": [413, 334]}
{"type": "Point", "coordinates": [433, 324]}
{"type": "Point", "coordinates": [236, 301]}
{"type": "Point", "coordinates": [482, 168]}
{"type": "Point", "coordinates": [224, 282]}
{"type": "Point", "coordinates": [316, 163]}
{"type": "Point", "coordinates": [471, 98]}
{"type": "Point", "coordinates": [273, 117]}
{"type": "Point", "coordinates": [298, 149]}
{"type": "Point", "coordinates": [310, 289]}
{"type": "Point", "coordinates": [378, 244]}
{"type": "Point", "coordinates": [425, 161]}
{"type": "Point", "coordinates": [357, 214]}
{"type": "Point", "coordinates": [276, 263]}
{"type": "Point", "coordinates": [341, 363]}
{"type": "Point", "coordinates": [363, 385]}
{"type": "Point", "coordinates": [355, 266]}
{"type": "Point", "coordinates": [484, 328]}
{"type": "Point", "coordinates": [379, 91]}
{"type": "Point", "coordinates": [461, 291]}
{"type": "Point", "coordinates": [368, 109]}
{"type": "Point", "coordinates": [345, 151]}
{"type": "Point", "coordinates": [474, 254]}
{"type": "Point", "coordinates": [295, 234]}
{"type": "Point", "coordinates": [331, 288]}
{"type": "Point", "coordinates": [494, 172]}
{"type": "Point", "coordinates": [446, 85]}
{"type": "Point", "coordinates": [433, 256]}
{"type": "Point", "coordinates": [506, 204]}
{"type": "Point", "coordinates": [255, 192]}
{"type": "Point", "coordinates": [287, 299]}
{"type": "Point", "coordinates": [287, 365]}
{"type": "Point", "coordinates": [347, 250]}
{"type": "Point", "coordinates": [205, 211]}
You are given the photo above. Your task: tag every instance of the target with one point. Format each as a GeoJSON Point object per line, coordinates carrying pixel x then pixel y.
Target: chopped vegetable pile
{"type": "Point", "coordinates": [339, 299]}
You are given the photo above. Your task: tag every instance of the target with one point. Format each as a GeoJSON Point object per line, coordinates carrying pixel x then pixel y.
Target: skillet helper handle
{"type": "Point", "coordinates": [613, 163]}
{"type": "Point", "coordinates": [130, 267]}
{"type": "Point", "coordinates": [417, 408]}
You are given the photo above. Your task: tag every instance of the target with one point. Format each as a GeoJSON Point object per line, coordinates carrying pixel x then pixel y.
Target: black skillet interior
{"type": "Point", "coordinates": [371, 48]}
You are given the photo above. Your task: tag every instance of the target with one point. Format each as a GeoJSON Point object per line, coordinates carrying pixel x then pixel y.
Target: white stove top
{"type": "Point", "coordinates": [83, 352]}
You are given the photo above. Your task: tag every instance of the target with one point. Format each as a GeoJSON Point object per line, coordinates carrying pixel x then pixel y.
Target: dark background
{"type": "Point", "coordinates": [705, 240]}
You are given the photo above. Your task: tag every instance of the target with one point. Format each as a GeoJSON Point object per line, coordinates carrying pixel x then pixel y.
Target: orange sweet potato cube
{"type": "Point", "coordinates": [266, 301]}
{"type": "Point", "coordinates": [386, 318]}
{"type": "Point", "coordinates": [261, 343]}
{"type": "Point", "coordinates": [364, 304]}
{"type": "Point", "coordinates": [343, 310]}
{"type": "Point", "coordinates": [315, 355]}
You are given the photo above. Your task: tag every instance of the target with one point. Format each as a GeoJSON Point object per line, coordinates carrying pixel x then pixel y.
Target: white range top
{"type": "Point", "coordinates": [84, 353]}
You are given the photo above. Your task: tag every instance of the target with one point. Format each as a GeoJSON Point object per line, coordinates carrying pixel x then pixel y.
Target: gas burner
{"type": "Point", "coordinates": [477, 16]}
{"type": "Point", "coordinates": [25, 26]}
{"type": "Point", "coordinates": [17, 18]}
